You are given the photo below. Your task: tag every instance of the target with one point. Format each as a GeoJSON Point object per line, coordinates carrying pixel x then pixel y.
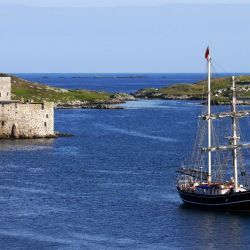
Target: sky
{"type": "Point", "coordinates": [117, 3]}
{"type": "Point", "coordinates": [123, 36]}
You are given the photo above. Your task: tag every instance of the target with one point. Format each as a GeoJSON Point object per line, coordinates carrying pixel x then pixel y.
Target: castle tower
{"type": "Point", "coordinates": [5, 88]}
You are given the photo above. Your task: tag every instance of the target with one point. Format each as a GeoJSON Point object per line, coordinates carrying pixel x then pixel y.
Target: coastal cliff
{"type": "Point", "coordinates": [197, 91]}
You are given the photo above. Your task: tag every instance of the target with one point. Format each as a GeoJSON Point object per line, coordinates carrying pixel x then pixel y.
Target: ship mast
{"type": "Point", "coordinates": [209, 116]}
{"type": "Point", "coordinates": [235, 138]}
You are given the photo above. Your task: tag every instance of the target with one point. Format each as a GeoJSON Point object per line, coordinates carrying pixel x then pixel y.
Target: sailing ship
{"type": "Point", "coordinates": [211, 180]}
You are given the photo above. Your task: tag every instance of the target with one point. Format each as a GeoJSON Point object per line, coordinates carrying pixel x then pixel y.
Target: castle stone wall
{"type": "Point", "coordinates": [5, 88]}
{"type": "Point", "coordinates": [26, 120]}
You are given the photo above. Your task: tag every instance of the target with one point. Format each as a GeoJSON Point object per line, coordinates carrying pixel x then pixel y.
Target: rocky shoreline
{"type": "Point", "coordinates": [100, 104]}
{"type": "Point", "coordinates": [90, 106]}
{"type": "Point", "coordinates": [24, 137]}
{"type": "Point", "coordinates": [220, 96]}
{"type": "Point", "coordinates": [144, 95]}
{"type": "Point", "coordinates": [186, 98]}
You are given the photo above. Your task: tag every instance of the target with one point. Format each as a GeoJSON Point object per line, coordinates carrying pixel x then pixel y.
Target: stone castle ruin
{"type": "Point", "coordinates": [24, 120]}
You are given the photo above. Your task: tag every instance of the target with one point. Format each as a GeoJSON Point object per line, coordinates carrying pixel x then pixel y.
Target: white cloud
{"type": "Point", "coordinates": [116, 3]}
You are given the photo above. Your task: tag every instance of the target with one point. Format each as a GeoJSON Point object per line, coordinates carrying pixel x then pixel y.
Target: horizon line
{"type": "Point", "coordinates": [126, 73]}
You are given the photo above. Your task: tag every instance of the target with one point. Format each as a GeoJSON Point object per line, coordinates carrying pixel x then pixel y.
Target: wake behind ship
{"type": "Point", "coordinates": [216, 177]}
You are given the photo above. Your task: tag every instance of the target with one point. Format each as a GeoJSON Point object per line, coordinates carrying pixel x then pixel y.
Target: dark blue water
{"type": "Point", "coordinates": [127, 83]}
{"type": "Point", "coordinates": [111, 186]}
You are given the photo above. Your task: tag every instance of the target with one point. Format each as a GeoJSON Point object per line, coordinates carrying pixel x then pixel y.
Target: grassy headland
{"type": "Point", "coordinates": [221, 93]}
{"type": "Point", "coordinates": [220, 88]}
{"type": "Point", "coordinates": [36, 92]}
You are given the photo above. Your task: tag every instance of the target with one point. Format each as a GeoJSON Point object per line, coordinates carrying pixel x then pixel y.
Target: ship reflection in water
{"type": "Point", "coordinates": [26, 144]}
{"type": "Point", "coordinates": [208, 224]}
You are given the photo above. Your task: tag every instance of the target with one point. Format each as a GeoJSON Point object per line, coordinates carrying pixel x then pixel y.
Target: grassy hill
{"type": "Point", "coordinates": [27, 90]}
{"type": "Point", "coordinates": [220, 90]}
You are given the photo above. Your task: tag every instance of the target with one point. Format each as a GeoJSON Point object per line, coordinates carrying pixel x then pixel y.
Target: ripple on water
{"type": "Point", "coordinates": [24, 148]}
{"type": "Point", "coordinates": [35, 170]}
{"type": "Point", "coordinates": [134, 133]}
{"type": "Point", "coordinates": [158, 196]}
{"type": "Point", "coordinates": [98, 238]}
{"type": "Point", "coordinates": [67, 150]}
{"type": "Point", "coordinates": [31, 236]}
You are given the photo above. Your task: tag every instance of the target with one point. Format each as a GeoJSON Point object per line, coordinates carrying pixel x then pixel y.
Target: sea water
{"type": "Point", "coordinates": [114, 83]}
{"type": "Point", "coordinates": [111, 185]}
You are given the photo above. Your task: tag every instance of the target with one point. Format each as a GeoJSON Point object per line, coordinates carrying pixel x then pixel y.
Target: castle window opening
{"type": "Point", "coordinates": [45, 124]}
{"type": "Point", "coordinates": [7, 93]}
{"type": "Point", "coordinates": [0, 94]}
{"type": "Point", "coordinates": [3, 123]}
{"type": "Point", "coordinates": [47, 116]}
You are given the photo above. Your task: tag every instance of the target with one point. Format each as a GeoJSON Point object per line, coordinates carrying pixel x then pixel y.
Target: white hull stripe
{"type": "Point", "coordinates": [206, 204]}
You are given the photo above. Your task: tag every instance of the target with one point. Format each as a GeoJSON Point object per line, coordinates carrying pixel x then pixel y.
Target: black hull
{"type": "Point", "coordinates": [231, 202]}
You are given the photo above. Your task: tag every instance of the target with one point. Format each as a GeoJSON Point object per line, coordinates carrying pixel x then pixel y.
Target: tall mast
{"type": "Point", "coordinates": [209, 118]}
{"type": "Point", "coordinates": [235, 138]}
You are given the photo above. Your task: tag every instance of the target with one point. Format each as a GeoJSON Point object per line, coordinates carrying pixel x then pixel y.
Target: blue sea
{"type": "Point", "coordinates": [111, 185]}
{"type": "Point", "coordinates": [114, 83]}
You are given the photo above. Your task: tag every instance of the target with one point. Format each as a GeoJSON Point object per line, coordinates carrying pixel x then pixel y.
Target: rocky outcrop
{"type": "Point", "coordinates": [123, 97]}
{"type": "Point", "coordinates": [90, 106]}
{"type": "Point", "coordinates": [221, 96]}
{"type": "Point", "coordinates": [154, 94]}
{"type": "Point", "coordinates": [102, 106]}
{"type": "Point", "coordinates": [98, 104]}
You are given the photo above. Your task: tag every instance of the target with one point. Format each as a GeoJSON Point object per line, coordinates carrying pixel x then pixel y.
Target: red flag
{"type": "Point", "coordinates": [207, 53]}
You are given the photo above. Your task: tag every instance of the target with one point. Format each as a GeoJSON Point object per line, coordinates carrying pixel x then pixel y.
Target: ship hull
{"type": "Point", "coordinates": [233, 202]}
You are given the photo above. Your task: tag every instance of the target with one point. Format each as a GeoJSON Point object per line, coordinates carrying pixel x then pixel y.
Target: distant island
{"type": "Point", "coordinates": [197, 91]}
{"type": "Point", "coordinates": [28, 91]}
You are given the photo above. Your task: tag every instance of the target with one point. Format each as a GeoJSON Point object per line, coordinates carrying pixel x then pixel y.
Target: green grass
{"type": "Point", "coordinates": [199, 89]}
{"type": "Point", "coordinates": [150, 90]}
{"type": "Point", "coordinates": [22, 89]}
{"type": "Point", "coordinates": [26, 90]}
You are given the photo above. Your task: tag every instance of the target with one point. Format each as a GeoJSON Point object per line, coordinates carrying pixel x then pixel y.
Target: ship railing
{"type": "Point", "coordinates": [225, 147]}
{"type": "Point", "coordinates": [193, 172]}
